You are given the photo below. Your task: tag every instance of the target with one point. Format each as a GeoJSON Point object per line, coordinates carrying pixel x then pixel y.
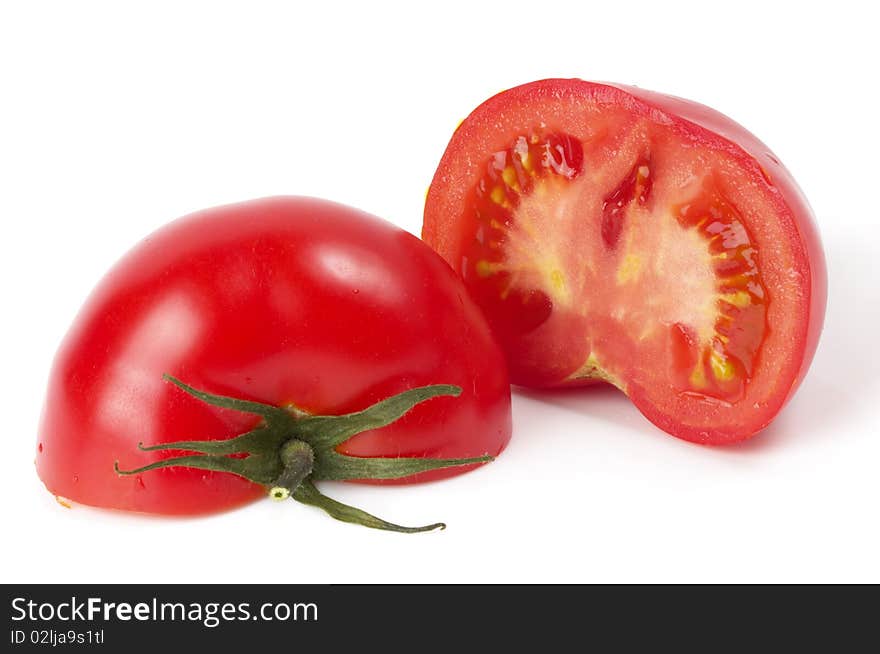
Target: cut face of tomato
{"type": "Point", "coordinates": [610, 236]}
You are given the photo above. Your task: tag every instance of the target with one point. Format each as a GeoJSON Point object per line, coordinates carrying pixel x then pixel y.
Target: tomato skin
{"type": "Point", "coordinates": [279, 300]}
{"type": "Point", "coordinates": [546, 356]}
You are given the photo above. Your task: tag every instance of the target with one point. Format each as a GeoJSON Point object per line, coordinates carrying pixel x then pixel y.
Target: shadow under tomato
{"type": "Point", "coordinates": [600, 401]}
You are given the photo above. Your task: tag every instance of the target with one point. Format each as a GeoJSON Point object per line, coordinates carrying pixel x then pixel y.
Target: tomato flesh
{"type": "Point", "coordinates": [720, 305]}
{"type": "Point", "coordinates": [607, 240]}
{"type": "Point", "coordinates": [281, 300]}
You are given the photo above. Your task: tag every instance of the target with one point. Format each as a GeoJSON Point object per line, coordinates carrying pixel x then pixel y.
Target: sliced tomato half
{"type": "Point", "coordinates": [614, 234]}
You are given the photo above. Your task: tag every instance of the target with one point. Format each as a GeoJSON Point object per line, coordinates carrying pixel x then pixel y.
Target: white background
{"type": "Point", "coordinates": [116, 118]}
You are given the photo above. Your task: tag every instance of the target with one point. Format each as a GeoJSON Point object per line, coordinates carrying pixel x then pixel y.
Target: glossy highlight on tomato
{"type": "Point", "coordinates": [282, 301]}
{"type": "Point", "coordinates": [619, 235]}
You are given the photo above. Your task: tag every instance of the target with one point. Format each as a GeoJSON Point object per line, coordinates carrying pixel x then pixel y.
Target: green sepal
{"type": "Point", "coordinates": [341, 467]}
{"type": "Point", "coordinates": [306, 493]}
{"type": "Point", "coordinates": [253, 467]}
{"type": "Point", "coordinates": [327, 432]}
{"type": "Point", "coordinates": [268, 411]}
{"type": "Point", "coordinates": [254, 440]}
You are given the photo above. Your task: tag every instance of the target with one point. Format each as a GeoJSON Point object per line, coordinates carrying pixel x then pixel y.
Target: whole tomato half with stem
{"type": "Point", "coordinates": [266, 345]}
{"type": "Point", "coordinates": [619, 235]}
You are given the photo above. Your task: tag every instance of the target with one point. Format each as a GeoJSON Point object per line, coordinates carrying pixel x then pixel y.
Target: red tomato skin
{"type": "Point", "coordinates": [279, 300]}
{"type": "Point", "coordinates": [489, 128]}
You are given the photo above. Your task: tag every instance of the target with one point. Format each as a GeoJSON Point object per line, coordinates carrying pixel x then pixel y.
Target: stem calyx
{"type": "Point", "coordinates": [289, 449]}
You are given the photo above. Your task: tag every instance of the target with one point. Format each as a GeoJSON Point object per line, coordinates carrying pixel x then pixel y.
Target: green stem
{"type": "Point", "coordinates": [298, 459]}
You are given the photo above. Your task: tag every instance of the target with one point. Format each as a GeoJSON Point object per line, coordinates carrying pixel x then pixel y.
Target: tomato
{"type": "Point", "coordinates": [283, 301]}
{"type": "Point", "coordinates": [619, 235]}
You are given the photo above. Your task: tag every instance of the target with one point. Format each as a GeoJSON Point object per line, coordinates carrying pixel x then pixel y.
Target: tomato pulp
{"type": "Point", "coordinates": [281, 301]}
{"type": "Point", "coordinates": [619, 235]}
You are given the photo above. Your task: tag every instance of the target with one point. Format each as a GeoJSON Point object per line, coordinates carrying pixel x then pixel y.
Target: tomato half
{"type": "Point", "coordinates": [279, 301]}
{"type": "Point", "coordinates": [619, 235]}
